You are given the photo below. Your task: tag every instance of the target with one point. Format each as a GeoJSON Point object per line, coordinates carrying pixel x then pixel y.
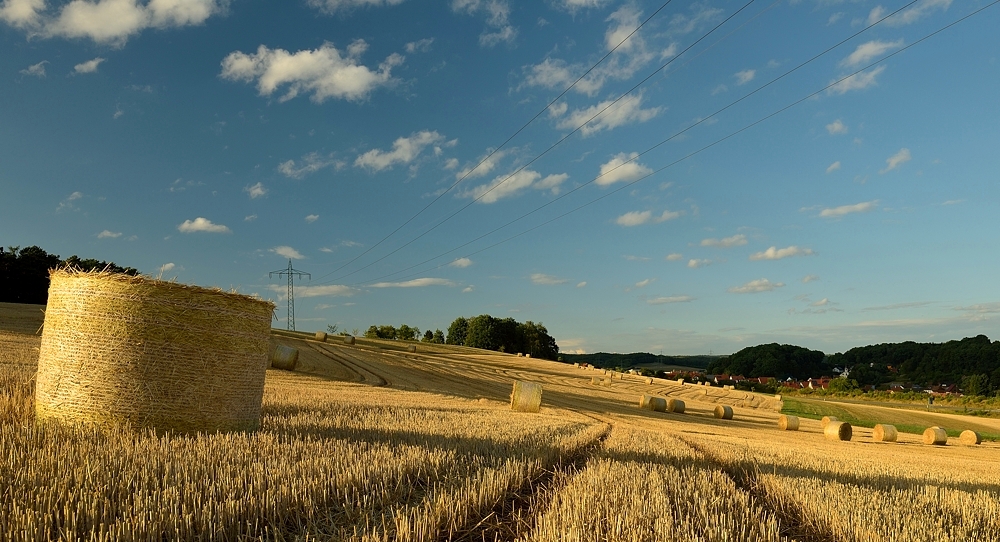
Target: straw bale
{"type": "Point", "coordinates": [520, 355]}
{"type": "Point", "coordinates": [838, 431]}
{"type": "Point", "coordinates": [884, 433]}
{"type": "Point", "coordinates": [970, 438]}
{"type": "Point", "coordinates": [680, 381]}
{"type": "Point", "coordinates": [778, 397]}
{"type": "Point", "coordinates": [412, 348]}
{"type": "Point", "coordinates": [648, 380]}
{"type": "Point", "coordinates": [349, 340]}
{"type": "Point", "coordinates": [527, 355]}
{"type": "Point", "coordinates": [652, 402]}
{"type": "Point", "coordinates": [935, 436]}
{"type": "Point", "coordinates": [724, 412]}
{"type": "Point", "coordinates": [788, 423]}
{"type": "Point", "coordinates": [827, 420]}
{"type": "Point", "coordinates": [676, 406]}
{"type": "Point", "coordinates": [644, 401]}
{"type": "Point", "coordinates": [606, 381]}
{"type": "Point", "coordinates": [119, 350]}
{"type": "Point", "coordinates": [284, 357]}
{"type": "Point", "coordinates": [576, 365]}
{"type": "Point", "coordinates": [526, 397]}
{"type": "Point", "coordinates": [321, 336]}
{"type": "Point", "coordinates": [595, 380]}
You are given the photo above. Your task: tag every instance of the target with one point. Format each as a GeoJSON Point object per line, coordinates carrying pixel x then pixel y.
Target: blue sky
{"type": "Point", "coordinates": [211, 141]}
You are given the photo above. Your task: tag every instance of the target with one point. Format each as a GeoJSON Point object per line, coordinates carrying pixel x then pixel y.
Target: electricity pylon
{"type": "Point", "coordinates": [291, 290]}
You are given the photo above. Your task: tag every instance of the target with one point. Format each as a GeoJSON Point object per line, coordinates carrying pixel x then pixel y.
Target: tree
{"type": "Point", "coordinates": [24, 272]}
{"type": "Point", "coordinates": [428, 336]}
{"type": "Point", "coordinates": [482, 333]}
{"type": "Point", "coordinates": [843, 385]}
{"type": "Point", "coordinates": [438, 337]}
{"type": "Point", "coordinates": [387, 332]}
{"type": "Point", "coordinates": [372, 332]}
{"type": "Point", "coordinates": [331, 329]}
{"type": "Point", "coordinates": [976, 385]}
{"type": "Point", "coordinates": [407, 333]}
{"type": "Point", "coordinates": [457, 331]}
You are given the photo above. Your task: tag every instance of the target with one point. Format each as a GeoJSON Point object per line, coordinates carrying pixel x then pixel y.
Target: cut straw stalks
{"type": "Point", "coordinates": [970, 438]}
{"type": "Point", "coordinates": [526, 397]}
{"type": "Point", "coordinates": [284, 357]}
{"type": "Point", "coordinates": [838, 431]}
{"type": "Point", "coordinates": [788, 423]}
{"type": "Point", "coordinates": [935, 436]}
{"type": "Point", "coordinates": [651, 402]}
{"type": "Point", "coordinates": [724, 412]}
{"type": "Point", "coordinates": [676, 406]}
{"type": "Point", "coordinates": [884, 433]}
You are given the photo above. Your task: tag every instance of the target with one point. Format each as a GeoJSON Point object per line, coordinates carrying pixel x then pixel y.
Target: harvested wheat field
{"type": "Point", "coordinates": [370, 442]}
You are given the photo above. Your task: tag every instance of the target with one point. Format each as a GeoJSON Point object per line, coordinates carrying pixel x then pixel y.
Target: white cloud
{"type": "Point", "coordinates": [203, 225]}
{"type": "Point", "coordinates": [108, 234]}
{"type": "Point", "coordinates": [645, 282]}
{"type": "Point", "coordinates": [287, 252]}
{"type": "Point", "coordinates": [546, 280]}
{"type": "Point", "coordinates": [482, 166]}
{"type": "Point", "coordinates": [114, 21]}
{"type": "Point", "coordinates": [504, 186]}
{"type": "Point", "coordinates": [674, 257]}
{"type": "Point", "coordinates": [632, 258]}
{"type": "Point", "coordinates": [622, 168]}
{"type": "Point", "coordinates": [952, 202]}
{"type": "Point", "coordinates": [419, 46]}
{"type": "Point", "coordinates": [701, 15]}
{"type": "Point", "coordinates": [581, 284]}
{"type": "Point", "coordinates": [719, 89]}
{"type": "Point", "coordinates": [875, 15]}
{"type": "Point", "coordinates": [756, 286]}
{"type": "Point", "coordinates": [809, 278]}
{"type": "Point", "coordinates": [636, 218]}
{"type": "Point", "coordinates": [415, 283]}
{"type": "Point", "coordinates": [167, 267]}
{"type": "Point", "coordinates": [316, 291]}
{"type": "Point", "coordinates": [726, 242]}
{"type": "Point", "coordinates": [89, 66]}
{"type": "Point", "coordinates": [573, 5]}
{"type": "Point", "coordinates": [820, 303]}
{"type": "Point", "coordinates": [309, 163]}
{"type": "Point", "coordinates": [333, 6]}
{"type": "Point", "coordinates": [858, 81]}
{"type": "Point", "coordinates": [833, 167]}
{"type": "Point", "coordinates": [21, 13]}
{"type": "Point", "coordinates": [864, 53]}
{"type": "Point", "coordinates": [325, 72]}
{"type": "Point", "coordinates": [896, 160]}
{"type": "Point", "coordinates": [696, 263]}
{"type": "Point", "coordinates": [626, 111]}
{"type": "Point", "coordinates": [775, 253]}
{"type": "Point", "coordinates": [404, 150]}
{"type": "Point", "coordinates": [917, 12]}
{"type": "Point", "coordinates": [250, 218]}
{"type": "Point", "coordinates": [497, 12]}
{"type": "Point", "coordinates": [468, 289]}
{"type": "Point", "coordinates": [451, 163]}
{"type": "Point", "coordinates": [311, 218]}
{"type": "Point", "coordinates": [68, 202]}
{"type": "Point", "coordinates": [256, 190]}
{"type": "Point", "coordinates": [461, 263]}
{"type": "Point", "coordinates": [36, 70]}
{"type": "Point", "coordinates": [836, 127]}
{"type": "Point", "coordinates": [671, 299]}
{"type": "Point", "coordinates": [837, 212]}
{"type": "Point", "coordinates": [745, 76]}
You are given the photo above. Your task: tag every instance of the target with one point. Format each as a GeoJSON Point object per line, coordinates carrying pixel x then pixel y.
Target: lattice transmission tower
{"type": "Point", "coordinates": [292, 273]}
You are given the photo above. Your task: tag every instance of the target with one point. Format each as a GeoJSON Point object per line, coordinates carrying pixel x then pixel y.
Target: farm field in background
{"type": "Point", "coordinates": [369, 442]}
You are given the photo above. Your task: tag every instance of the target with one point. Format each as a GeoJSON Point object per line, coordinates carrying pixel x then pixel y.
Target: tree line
{"type": "Point", "coordinates": [404, 333]}
{"type": "Point", "coordinates": [24, 272]}
{"type": "Point", "coordinates": [503, 335]}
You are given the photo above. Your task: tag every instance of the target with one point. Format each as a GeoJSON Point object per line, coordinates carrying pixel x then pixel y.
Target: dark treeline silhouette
{"type": "Point", "coordinates": [777, 360]}
{"type": "Point", "coordinates": [24, 272]}
{"type": "Point", "coordinates": [503, 335]}
{"type": "Point", "coordinates": [628, 361]}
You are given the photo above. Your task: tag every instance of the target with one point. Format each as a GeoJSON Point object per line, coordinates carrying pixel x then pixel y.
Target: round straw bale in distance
{"type": "Point", "coordinates": [838, 431]}
{"type": "Point", "coordinates": [526, 397]}
{"type": "Point", "coordinates": [675, 406]}
{"type": "Point", "coordinates": [970, 438]}
{"type": "Point", "coordinates": [827, 420]}
{"type": "Point", "coordinates": [884, 433]}
{"type": "Point", "coordinates": [606, 381]}
{"type": "Point", "coordinates": [644, 401]}
{"type": "Point", "coordinates": [411, 348]}
{"type": "Point", "coordinates": [595, 380]}
{"type": "Point", "coordinates": [321, 336]}
{"type": "Point", "coordinates": [119, 350]}
{"type": "Point", "coordinates": [648, 380]}
{"type": "Point", "coordinates": [724, 412]}
{"type": "Point", "coordinates": [652, 402]}
{"type": "Point", "coordinates": [349, 340]}
{"type": "Point", "coordinates": [936, 436]}
{"type": "Point", "coordinates": [788, 423]}
{"type": "Point", "coordinates": [284, 357]}
{"type": "Point", "coordinates": [680, 381]}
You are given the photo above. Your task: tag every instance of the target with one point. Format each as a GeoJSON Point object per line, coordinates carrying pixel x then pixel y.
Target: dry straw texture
{"type": "Point", "coordinates": [935, 436]}
{"type": "Point", "coordinates": [724, 412]}
{"type": "Point", "coordinates": [284, 357]}
{"type": "Point", "coordinates": [676, 406]}
{"type": "Point", "coordinates": [827, 420]}
{"type": "Point", "coordinates": [884, 433]}
{"type": "Point", "coordinates": [788, 423]}
{"type": "Point", "coordinates": [526, 397]}
{"type": "Point", "coordinates": [123, 350]}
{"type": "Point", "coordinates": [321, 336]}
{"type": "Point", "coordinates": [838, 431]}
{"type": "Point", "coordinates": [970, 438]}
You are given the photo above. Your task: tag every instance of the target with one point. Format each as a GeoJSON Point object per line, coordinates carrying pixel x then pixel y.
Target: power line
{"type": "Point", "coordinates": [502, 145]}
{"type": "Point", "coordinates": [699, 151]}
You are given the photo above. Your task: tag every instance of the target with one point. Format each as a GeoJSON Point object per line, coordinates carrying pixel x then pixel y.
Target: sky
{"type": "Point", "coordinates": [815, 172]}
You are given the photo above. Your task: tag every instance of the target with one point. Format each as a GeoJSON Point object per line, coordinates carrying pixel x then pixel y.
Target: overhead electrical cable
{"type": "Point", "coordinates": [502, 145]}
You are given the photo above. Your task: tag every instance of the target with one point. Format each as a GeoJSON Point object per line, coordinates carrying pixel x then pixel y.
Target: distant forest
{"type": "Point", "coordinates": [627, 361]}
{"type": "Point", "coordinates": [24, 272]}
{"type": "Point", "coordinates": [503, 335]}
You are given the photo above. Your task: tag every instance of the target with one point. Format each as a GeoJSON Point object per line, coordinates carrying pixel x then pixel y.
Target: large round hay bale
{"type": "Point", "coordinates": [658, 404]}
{"type": "Point", "coordinates": [576, 364]}
{"type": "Point", "coordinates": [838, 431]}
{"type": "Point", "coordinates": [644, 401]}
{"type": "Point", "coordinates": [412, 348]}
{"type": "Point", "coordinates": [648, 380]}
{"type": "Point", "coordinates": [526, 397]}
{"type": "Point", "coordinates": [349, 340]}
{"type": "Point", "coordinates": [606, 381]}
{"type": "Point", "coordinates": [884, 433]}
{"type": "Point", "coordinates": [788, 423]}
{"type": "Point", "coordinates": [119, 350]}
{"type": "Point", "coordinates": [321, 336]}
{"type": "Point", "coordinates": [724, 412]}
{"type": "Point", "coordinates": [680, 381]}
{"type": "Point", "coordinates": [827, 420]}
{"type": "Point", "coordinates": [970, 438]}
{"type": "Point", "coordinates": [595, 380]}
{"type": "Point", "coordinates": [935, 436]}
{"type": "Point", "coordinates": [676, 406]}
{"type": "Point", "coordinates": [284, 357]}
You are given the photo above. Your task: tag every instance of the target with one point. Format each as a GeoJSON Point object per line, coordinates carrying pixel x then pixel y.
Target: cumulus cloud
{"type": "Point", "coordinates": [461, 263]}
{"type": "Point", "coordinates": [333, 6]}
{"type": "Point", "coordinates": [674, 257]}
{"type": "Point", "coordinates": [201, 225]}
{"type": "Point", "coordinates": [108, 234]}
{"type": "Point", "coordinates": [256, 190]}
{"type": "Point", "coordinates": [726, 242]}
{"type": "Point", "coordinates": [167, 267]}
{"type": "Point", "coordinates": [833, 167]}
{"type": "Point", "coordinates": [756, 286]}
{"type": "Point", "coordinates": [546, 280]}
{"type": "Point", "coordinates": [404, 150]}
{"type": "Point", "coordinates": [671, 299]}
{"type": "Point", "coordinates": [35, 70]}
{"type": "Point", "coordinates": [419, 46]}
{"type": "Point", "coordinates": [317, 291]}
{"type": "Point", "coordinates": [622, 168]}
{"type": "Point", "coordinates": [497, 14]}
{"type": "Point", "coordinates": [745, 76]}
{"type": "Point", "coordinates": [809, 278]}
{"type": "Point", "coordinates": [836, 127]}
{"type": "Point", "coordinates": [864, 53]}
{"type": "Point", "coordinates": [323, 73]}
{"type": "Point", "coordinates": [250, 218]}
{"type": "Point", "coordinates": [308, 164]}
{"type": "Point", "coordinates": [21, 13]}
{"type": "Point", "coordinates": [482, 166]}
{"type": "Point", "coordinates": [287, 252]}
{"type": "Point", "coordinates": [896, 160]}
{"type": "Point", "coordinates": [311, 218]}
{"type": "Point", "coordinates": [89, 66]}
{"type": "Point", "coordinates": [837, 212]}
{"type": "Point", "coordinates": [858, 81]}
{"type": "Point", "coordinates": [468, 289]}
{"type": "Point", "coordinates": [415, 283]}
{"type": "Point", "coordinates": [695, 263]}
{"type": "Point", "coordinates": [636, 218]}
{"type": "Point", "coordinates": [114, 21]}
{"type": "Point", "coordinates": [504, 186]}
{"type": "Point", "coordinates": [626, 111]}
{"type": "Point", "coordinates": [701, 15]}
{"type": "Point", "coordinates": [912, 15]}
{"type": "Point", "coordinates": [775, 253]}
